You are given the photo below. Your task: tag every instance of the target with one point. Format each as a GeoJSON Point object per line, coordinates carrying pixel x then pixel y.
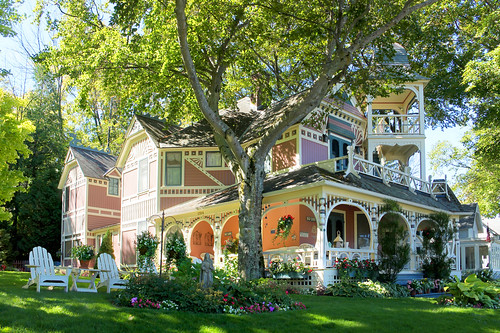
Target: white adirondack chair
{"type": "Point", "coordinates": [109, 274]}
{"type": "Point", "coordinates": [42, 271]}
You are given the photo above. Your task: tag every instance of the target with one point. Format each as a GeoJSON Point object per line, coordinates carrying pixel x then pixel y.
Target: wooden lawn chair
{"type": "Point", "coordinates": [42, 271]}
{"type": "Point", "coordinates": [109, 274]}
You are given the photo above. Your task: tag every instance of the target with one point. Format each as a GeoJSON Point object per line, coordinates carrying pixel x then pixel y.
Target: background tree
{"type": "Point", "coordinates": [457, 45]}
{"type": "Point", "coordinates": [476, 177]}
{"type": "Point", "coordinates": [435, 261]}
{"type": "Point", "coordinates": [293, 52]}
{"type": "Point", "coordinates": [394, 252]}
{"type": "Point", "coordinates": [36, 211]}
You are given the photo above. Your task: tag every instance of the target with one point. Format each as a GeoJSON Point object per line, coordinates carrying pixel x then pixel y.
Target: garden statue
{"type": "Point", "coordinates": [206, 274]}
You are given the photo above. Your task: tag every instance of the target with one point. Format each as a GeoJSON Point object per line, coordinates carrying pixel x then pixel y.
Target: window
{"type": "Point", "coordinates": [66, 199]}
{"type": "Point", "coordinates": [143, 175]}
{"type": "Point", "coordinates": [173, 169]}
{"type": "Point", "coordinates": [214, 159]}
{"type": "Point", "coordinates": [113, 186]}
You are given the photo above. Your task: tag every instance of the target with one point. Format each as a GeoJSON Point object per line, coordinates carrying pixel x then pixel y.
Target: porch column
{"type": "Point", "coordinates": [321, 239]}
{"type": "Point", "coordinates": [187, 240]}
{"type": "Point", "coordinates": [477, 263]}
{"type": "Point", "coordinates": [374, 217]}
{"type": "Point", "coordinates": [217, 233]}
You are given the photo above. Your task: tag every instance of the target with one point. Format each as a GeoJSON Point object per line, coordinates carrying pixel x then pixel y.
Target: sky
{"type": "Point", "coordinates": [13, 57]}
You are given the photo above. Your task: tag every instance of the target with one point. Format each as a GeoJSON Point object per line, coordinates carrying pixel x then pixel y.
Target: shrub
{"type": "Point", "coordinates": [184, 293]}
{"type": "Point", "coordinates": [486, 275]}
{"type": "Point", "coordinates": [435, 261]}
{"type": "Point", "coordinates": [106, 246]}
{"type": "Point", "coordinates": [472, 292]}
{"type": "Point", "coordinates": [366, 289]}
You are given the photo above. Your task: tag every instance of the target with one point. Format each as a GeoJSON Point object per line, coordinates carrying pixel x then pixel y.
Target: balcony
{"type": "Point", "coordinates": [401, 124]}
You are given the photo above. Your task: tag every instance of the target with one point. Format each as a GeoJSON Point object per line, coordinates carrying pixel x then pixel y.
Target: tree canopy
{"type": "Point", "coordinates": [14, 132]}
{"type": "Point", "coordinates": [184, 60]}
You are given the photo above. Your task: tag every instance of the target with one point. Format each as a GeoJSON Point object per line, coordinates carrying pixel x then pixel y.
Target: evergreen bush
{"type": "Point", "coordinates": [106, 246]}
{"type": "Point", "coordinates": [435, 261]}
{"type": "Point", "coordinates": [394, 249]}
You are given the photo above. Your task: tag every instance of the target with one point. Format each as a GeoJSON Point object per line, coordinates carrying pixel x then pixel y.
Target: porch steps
{"type": "Point", "coordinates": [404, 277]}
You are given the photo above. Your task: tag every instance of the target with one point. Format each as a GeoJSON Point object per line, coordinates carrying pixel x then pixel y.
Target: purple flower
{"type": "Point", "coordinates": [271, 309]}
{"type": "Point", "coordinates": [133, 300]}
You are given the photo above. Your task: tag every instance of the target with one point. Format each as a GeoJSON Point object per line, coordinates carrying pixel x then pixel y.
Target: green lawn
{"type": "Point", "coordinates": [56, 311]}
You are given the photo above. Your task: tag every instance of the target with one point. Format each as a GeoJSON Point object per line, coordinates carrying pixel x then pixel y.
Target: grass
{"type": "Point", "coordinates": [56, 311]}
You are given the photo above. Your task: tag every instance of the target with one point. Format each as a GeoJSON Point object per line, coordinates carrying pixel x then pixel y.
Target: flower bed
{"type": "Point", "coordinates": [181, 291]}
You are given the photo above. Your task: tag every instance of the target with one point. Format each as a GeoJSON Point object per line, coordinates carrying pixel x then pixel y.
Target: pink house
{"type": "Point", "coordinates": [91, 200]}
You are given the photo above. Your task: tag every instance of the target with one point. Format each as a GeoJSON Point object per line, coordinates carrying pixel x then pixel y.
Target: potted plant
{"type": "Point", "coordinates": [84, 253]}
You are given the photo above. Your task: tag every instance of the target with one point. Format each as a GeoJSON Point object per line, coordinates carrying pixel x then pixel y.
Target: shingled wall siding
{"type": "Point", "coordinates": [98, 197]}
{"type": "Point", "coordinates": [313, 152]}
{"type": "Point", "coordinates": [284, 155]}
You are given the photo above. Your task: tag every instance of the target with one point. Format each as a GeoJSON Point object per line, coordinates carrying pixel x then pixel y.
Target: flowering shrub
{"type": "Point", "coordinates": [294, 265]}
{"type": "Point", "coordinates": [367, 268]}
{"type": "Point", "coordinates": [146, 303]}
{"type": "Point", "coordinates": [82, 252]}
{"type": "Point", "coordinates": [284, 226]}
{"type": "Point", "coordinates": [3, 268]}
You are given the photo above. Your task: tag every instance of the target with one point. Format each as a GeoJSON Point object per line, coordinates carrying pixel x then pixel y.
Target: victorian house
{"type": "Point", "coordinates": [331, 172]}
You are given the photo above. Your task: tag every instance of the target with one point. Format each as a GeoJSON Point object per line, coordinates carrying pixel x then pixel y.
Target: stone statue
{"type": "Point", "coordinates": [206, 274]}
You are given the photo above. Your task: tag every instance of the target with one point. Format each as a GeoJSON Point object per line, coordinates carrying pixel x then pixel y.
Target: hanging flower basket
{"type": "Point", "coordinates": [284, 226]}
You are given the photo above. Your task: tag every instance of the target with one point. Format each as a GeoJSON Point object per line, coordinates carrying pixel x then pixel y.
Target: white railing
{"type": "Point", "coordinates": [396, 124]}
{"type": "Point", "coordinates": [389, 175]}
{"type": "Point", "coordinates": [306, 254]}
{"type": "Point", "coordinates": [335, 254]}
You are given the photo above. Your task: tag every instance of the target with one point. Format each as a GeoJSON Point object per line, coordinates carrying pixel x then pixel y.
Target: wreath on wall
{"type": "Point", "coordinates": [284, 227]}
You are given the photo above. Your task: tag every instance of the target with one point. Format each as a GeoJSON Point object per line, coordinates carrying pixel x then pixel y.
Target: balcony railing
{"type": "Point", "coordinates": [356, 164]}
{"type": "Point", "coordinates": [395, 124]}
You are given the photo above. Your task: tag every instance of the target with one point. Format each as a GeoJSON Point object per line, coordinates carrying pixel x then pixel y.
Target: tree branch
{"type": "Point", "coordinates": [220, 128]}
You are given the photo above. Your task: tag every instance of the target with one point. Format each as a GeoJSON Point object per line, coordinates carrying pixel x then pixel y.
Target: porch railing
{"type": "Point", "coordinates": [396, 124]}
{"type": "Point", "coordinates": [334, 254]}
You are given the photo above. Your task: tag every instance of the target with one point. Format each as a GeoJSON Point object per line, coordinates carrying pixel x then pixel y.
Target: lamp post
{"type": "Point", "coordinates": [162, 216]}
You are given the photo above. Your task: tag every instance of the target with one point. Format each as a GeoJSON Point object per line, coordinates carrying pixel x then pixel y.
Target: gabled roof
{"type": "Point", "coordinates": [314, 175]}
{"type": "Point", "coordinates": [93, 163]}
{"type": "Point", "coordinates": [200, 134]}
{"type": "Point", "coordinates": [156, 128]}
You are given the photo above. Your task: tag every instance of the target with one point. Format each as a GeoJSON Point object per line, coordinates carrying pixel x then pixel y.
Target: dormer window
{"type": "Point", "coordinates": [213, 159]}
{"type": "Point", "coordinates": [113, 186]}
{"type": "Point", "coordinates": [173, 169]}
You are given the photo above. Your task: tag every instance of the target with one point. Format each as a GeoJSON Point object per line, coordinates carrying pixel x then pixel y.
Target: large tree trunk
{"type": "Point", "coordinates": [250, 260]}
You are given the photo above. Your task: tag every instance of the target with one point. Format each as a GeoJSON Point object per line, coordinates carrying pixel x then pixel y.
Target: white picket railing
{"type": "Point", "coordinates": [396, 124]}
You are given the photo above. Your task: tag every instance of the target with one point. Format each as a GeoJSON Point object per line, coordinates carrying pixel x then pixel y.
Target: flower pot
{"type": "Point", "coordinates": [84, 263]}
{"type": "Point", "coordinates": [413, 293]}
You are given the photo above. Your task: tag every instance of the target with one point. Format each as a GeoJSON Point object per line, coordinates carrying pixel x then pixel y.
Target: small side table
{"type": "Point", "coordinates": [76, 275]}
